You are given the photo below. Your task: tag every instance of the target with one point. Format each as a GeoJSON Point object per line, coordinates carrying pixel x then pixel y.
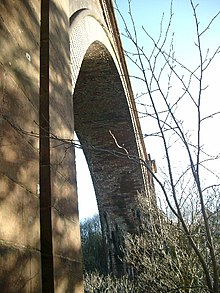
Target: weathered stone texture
{"type": "Point", "coordinates": [55, 64]}
{"type": "Point", "coordinates": [65, 221]}
{"type": "Point", "coordinates": [20, 271]}
{"type": "Point", "coordinates": [19, 200]}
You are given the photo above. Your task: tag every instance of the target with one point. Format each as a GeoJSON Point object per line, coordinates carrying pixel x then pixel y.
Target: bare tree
{"type": "Point", "coordinates": [167, 86]}
{"type": "Point", "coordinates": [161, 256]}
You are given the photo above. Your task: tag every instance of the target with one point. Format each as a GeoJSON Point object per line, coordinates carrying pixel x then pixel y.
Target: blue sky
{"type": "Point", "coordinates": [149, 14]}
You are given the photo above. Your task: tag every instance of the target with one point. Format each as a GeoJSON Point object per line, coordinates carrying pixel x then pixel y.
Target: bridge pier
{"type": "Point", "coordinates": [62, 70]}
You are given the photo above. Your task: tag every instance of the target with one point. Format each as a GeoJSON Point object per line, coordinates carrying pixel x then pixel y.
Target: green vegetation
{"type": "Point", "coordinates": [93, 246]}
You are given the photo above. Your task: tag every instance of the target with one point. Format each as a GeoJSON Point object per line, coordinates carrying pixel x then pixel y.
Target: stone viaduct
{"type": "Point", "coordinates": [62, 72]}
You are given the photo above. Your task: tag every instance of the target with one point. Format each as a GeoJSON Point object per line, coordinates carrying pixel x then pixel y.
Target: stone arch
{"type": "Point", "coordinates": [103, 121]}
{"type": "Point", "coordinates": [85, 29]}
{"type": "Point", "coordinates": [100, 111]}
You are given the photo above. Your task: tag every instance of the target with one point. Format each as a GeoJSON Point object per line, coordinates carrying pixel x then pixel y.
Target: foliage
{"type": "Point", "coordinates": [182, 254]}
{"type": "Point", "coordinates": [92, 245]}
{"type": "Point", "coordinates": [95, 277]}
{"type": "Point", "coordinates": [159, 258]}
{"type": "Point", "coordinates": [167, 85]}
{"type": "Point", "coordinates": [161, 255]}
{"type": "Point", "coordinates": [97, 283]}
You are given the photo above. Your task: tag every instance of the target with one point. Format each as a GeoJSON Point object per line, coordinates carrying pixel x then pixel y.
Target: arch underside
{"type": "Point", "coordinates": [103, 123]}
{"type": "Point", "coordinates": [101, 109]}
